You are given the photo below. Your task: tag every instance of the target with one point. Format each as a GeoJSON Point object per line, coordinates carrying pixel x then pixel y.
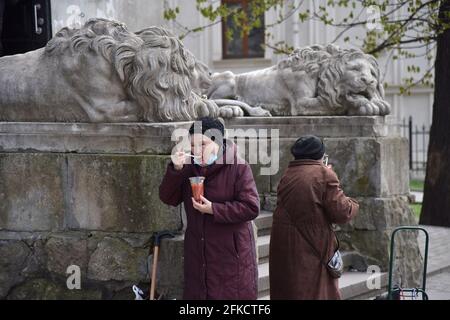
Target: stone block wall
{"type": "Point", "coordinates": [84, 195]}
{"type": "Point", "coordinates": [87, 195]}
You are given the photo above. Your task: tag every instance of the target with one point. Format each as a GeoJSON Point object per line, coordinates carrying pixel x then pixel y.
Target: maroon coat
{"type": "Point", "coordinates": [312, 195]}
{"type": "Point", "coordinates": [219, 249]}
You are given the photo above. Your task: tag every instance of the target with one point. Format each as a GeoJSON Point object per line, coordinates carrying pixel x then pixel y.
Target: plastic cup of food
{"type": "Point", "coordinates": [197, 186]}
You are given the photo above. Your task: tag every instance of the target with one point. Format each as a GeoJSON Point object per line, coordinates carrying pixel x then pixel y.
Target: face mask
{"type": "Point", "coordinates": [211, 160]}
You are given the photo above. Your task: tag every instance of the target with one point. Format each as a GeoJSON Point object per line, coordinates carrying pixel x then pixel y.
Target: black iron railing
{"type": "Point", "coordinates": [418, 137]}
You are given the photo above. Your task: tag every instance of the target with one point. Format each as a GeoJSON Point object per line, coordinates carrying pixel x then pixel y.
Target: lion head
{"type": "Point", "coordinates": [157, 72]}
{"type": "Point", "coordinates": [350, 81]}
{"type": "Point", "coordinates": [202, 78]}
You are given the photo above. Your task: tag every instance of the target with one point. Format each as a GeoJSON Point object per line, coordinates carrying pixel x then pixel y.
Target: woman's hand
{"type": "Point", "coordinates": [205, 206]}
{"type": "Point", "coordinates": [178, 159]}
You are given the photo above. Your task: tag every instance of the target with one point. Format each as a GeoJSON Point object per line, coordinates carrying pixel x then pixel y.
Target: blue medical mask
{"type": "Point", "coordinates": [211, 160]}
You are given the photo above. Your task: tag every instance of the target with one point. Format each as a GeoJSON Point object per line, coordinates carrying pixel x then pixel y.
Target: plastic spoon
{"type": "Point", "coordinates": [190, 155]}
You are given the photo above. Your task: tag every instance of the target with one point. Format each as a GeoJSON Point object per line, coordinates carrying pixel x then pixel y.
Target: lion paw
{"type": "Point", "coordinates": [384, 107]}
{"type": "Point", "coordinates": [259, 112]}
{"type": "Point", "coordinates": [231, 112]}
{"type": "Point", "coordinates": [372, 108]}
{"type": "Point", "coordinates": [206, 108]}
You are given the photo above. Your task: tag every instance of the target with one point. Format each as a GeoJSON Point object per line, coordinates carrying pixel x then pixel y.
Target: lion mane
{"type": "Point", "coordinates": [157, 74]}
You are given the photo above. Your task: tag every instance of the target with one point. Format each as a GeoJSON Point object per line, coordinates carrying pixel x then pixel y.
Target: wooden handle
{"type": "Point", "coordinates": [153, 278]}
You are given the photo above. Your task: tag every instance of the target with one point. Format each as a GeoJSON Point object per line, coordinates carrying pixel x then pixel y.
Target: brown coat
{"type": "Point", "coordinates": [311, 193]}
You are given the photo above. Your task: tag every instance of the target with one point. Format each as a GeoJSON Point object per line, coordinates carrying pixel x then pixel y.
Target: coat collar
{"type": "Point", "coordinates": [229, 156]}
{"type": "Point", "coordinates": [303, 162]}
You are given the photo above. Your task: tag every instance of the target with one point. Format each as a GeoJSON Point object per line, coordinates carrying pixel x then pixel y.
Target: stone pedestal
{"type": "Point", "coordinates": [84, 195]}
{"type": "Point", "coordinates": [87, 195]}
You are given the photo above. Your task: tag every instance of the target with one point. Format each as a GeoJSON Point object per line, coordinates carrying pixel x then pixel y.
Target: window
{"type": "Point", "coordinates": [245, 46]}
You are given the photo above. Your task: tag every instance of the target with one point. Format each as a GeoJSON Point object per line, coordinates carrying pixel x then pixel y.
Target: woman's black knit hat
{"type": "Point", "coordinates": [208, 123]}
{"type": "Point", "coordinates": [308, 147]}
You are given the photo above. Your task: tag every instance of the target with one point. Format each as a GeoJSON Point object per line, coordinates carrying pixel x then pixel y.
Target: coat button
{"type": "Point", "coordinates": [203, 239]}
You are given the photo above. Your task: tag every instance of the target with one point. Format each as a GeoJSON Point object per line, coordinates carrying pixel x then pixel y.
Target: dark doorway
{"type": "Point", "coordinates": [25, 25]}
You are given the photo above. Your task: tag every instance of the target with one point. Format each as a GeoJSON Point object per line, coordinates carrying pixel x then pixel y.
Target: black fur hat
{"type": "Point", "coordinates": [308, 147]}
{"type": "Point", "coordinates": [208, 123]}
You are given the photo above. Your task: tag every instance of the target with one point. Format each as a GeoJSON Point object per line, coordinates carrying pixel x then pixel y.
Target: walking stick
{"type": "Point", "coordinates": [158, 236]}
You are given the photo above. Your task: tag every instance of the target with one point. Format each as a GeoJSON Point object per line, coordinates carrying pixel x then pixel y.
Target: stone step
{"type": "Point", "coordinates": [264, 295]}
{"type": "Point", "coordinates": [353, 261]}
{"type": "Point", "coordinates": [353, 285]}
{"type": "Point", "coordinates": [263, 277]}
{"type": "Point", "coordinates": [263, 243]}
{"type": "Point", "coordinates": [264, 222]}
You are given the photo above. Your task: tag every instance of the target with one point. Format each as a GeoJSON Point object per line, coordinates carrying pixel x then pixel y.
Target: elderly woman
{"type": "Point", "coordinates": [309, 201]}
{"type": "Point", "coordinates": [219, 246]}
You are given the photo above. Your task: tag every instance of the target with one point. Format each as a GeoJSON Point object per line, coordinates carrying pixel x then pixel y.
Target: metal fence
{"type": "Point", "coordinates": [418, 137]}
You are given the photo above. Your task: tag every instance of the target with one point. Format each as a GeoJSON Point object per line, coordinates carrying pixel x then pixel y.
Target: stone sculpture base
{"type": "Point", "coordinates": [84, 195]}
{"type": "Point", "coordinates": [87, 195]}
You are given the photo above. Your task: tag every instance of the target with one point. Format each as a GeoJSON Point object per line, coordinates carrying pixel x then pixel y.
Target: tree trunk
{"type": "Point", "coordinates": [436, 201]}
{"type": "Point", "coordinates": [2, 9]}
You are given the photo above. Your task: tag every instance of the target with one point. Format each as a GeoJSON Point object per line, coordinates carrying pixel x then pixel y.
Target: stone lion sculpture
{"type": "Point", "coordinates": [314, 80]}
{"type": "Point", "coordinates": [104, 73]}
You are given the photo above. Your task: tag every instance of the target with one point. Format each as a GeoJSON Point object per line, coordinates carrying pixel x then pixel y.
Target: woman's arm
{"type": "Point", "coordinates": [338, 207]}
{"type": "Point", "coordinates": [171, 187]}
{"type": "Point", "coordinates": [245, 206]}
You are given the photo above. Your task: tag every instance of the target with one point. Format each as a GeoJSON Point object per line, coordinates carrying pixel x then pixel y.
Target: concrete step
{"type": "Point", "coordinates": [263, 277]}
{"type": "Point", "coordinates": [352, 260]}
{"type": "Point", "coordinates": [264, 295]}
{"type": "Point", "coordinates": [263, 243]}
{"type": "Point", "coordinates": [264, 222]}
{"type": "Point", "coordinates": [353, 285]}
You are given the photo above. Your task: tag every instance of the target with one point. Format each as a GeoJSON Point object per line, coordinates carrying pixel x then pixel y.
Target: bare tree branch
{"type": "Point", "coordinates": [287, 16]}
{"type": "Point", "coordinates": [387, 43]}
{"type": "Point", "coordinates": [347, 28]}
{"type": "Point", "coordinates": [277, 49]}
{"type": "Point", "coordinates": [420, 80]}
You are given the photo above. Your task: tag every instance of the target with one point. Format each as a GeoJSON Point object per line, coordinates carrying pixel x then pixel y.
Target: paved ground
{"type": "Point", "coordinates": [438, 286]}
{"type": "Point", "coordinates": [438, 273]}
{"type": "Point", "coordinates": [438, 252]}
